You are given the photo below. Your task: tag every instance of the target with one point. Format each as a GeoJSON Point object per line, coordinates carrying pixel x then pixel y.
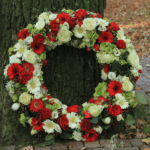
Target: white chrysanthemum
{"type": "Point", "coordinates": [135, 72]}
{"type": "Point", "coordinates": [43, 16]}
{"type": "Point", "coordinates": [98, 129]}
{"type": "Point", "coordinates": [55, 114]}
{"type": "Point", "coordinates": [107, 120]}
{"type": "Point", "coordinates": [64, 107]}
{"type": "Point", "coordinates": [95, 110]}
{"type": "Point", "coordinates": [40, 25]}
{"type": "Point", "coordinates": [14, 59]}
{"type": "Point", "coordinates": [73, 119]}
{"type": "Point", "coordinates": [32, 132]}
{"type": "Point", "coordinates": [5, 70]}
{"type": "Point", "coordinates": [29, 56]}
{"type": "Point", "coordinates": [52, 16]}
{"type": "Point", "coordinates": [79, 32]}
{"type": "Point", "coordinates": [133, 59]}
{"type": "Point", "coordinates": [127, 86]}
{"type": "Point", "coordinates": [64, 35]}
{"type": "Point", "coordinates": [20, 48]}
{"type": "Point", "coordinates": [119, 117]}
{"type": "Point", "coordinates": [29, 121]}
{"type": "Point", "coordinates": [25, 98]}
{"type": "Point", "coordinates": [123, 103]}
{"type": "Point", "coordinates": [111, 75]}
{"type": "Point", "coordinates": [29, 39]}
{"type": "Point", "coordinates": [49, 126]}
{"type": "Point", "coordinates": [103, 75]}
{"type": "Point", "coordinates": [77, 135]}
{"type": "Point", "coordinates": [125, 79]}
{"type": "Point", "coordinates": [15, 106]}
{"type": "Point", "coordinates": [33, 85]}
{"type": "Point", "coordinates": [89, 23]}
{"type": "Point", "coordinates": [117, 52]}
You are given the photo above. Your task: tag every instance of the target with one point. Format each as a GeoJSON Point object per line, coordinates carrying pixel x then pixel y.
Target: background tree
{"type": "Point", "coordinates": [71, 74]}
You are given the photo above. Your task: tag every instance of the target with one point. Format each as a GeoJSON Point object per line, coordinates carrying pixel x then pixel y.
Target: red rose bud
{"type": "Point", "coordinates": [45, 61]}
{"type": "Point", "coordinates": [96, 47]}
{"type": "Point", "coordinates": [137, 78]}
{"type": "Point", "coordinates": [140, 71]}
{"type": "Point", "coordinates": [88, 49]}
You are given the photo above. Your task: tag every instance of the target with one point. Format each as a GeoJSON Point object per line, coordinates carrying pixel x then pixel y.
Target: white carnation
{"type": "Point", "coordinates": [111, 75]}
{"type": "Point", "coordinates": [55, 114]}
{"type": "Point", "coordinates": [40, 25]}
{"type": "Point", "coordinates": [77, 135]}
{"type": "Point", "coordinates": [29, 39]}
{"type": "Point", "coordinates": [15, 106]}
{"type": "Point", "coordinates": [89, 23]}
{"type": "Point", "coordinates": [98, 129]}
{"type": "Point", "coordinates": [52, 16]}
{"type": "Point", "coordinates": [14, 59]}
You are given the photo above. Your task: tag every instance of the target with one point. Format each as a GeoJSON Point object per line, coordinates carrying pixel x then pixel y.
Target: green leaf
{"type": "Point", "coordinates": [65, 135]}
{"type": "Point", "coordinates": [125, 55]}
{"type": "Point", "coordinates": [50, 142]}
{"type": "Point", "coordinates": [129, 120]}
{"type": "Point", "coordinates": [106, 127]}
{"type": "Point", "coordinates": [141, 98]}
{"type": "Point", "coordinates": [115, 65]}
{"type": "Point", "coordinates": [48, 137]}
{"type": "Point", "coordinates": [94, 120]}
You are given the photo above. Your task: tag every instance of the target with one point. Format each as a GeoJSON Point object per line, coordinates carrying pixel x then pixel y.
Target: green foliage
{"type": "Point", "coordinates": [49, 137]}
{"type": "Point", "coordinates": [129, 119]}
{"type": "Point", "coordinates": [65, 135]}
{"type": "Point", "coordinates": [50, 142]}
{"type": "Point", "coordinates": [141, 98]}
{"type": "Point", "coordinates": [11, 49]}
{"type": "Point", "coordinates": [94, 120]}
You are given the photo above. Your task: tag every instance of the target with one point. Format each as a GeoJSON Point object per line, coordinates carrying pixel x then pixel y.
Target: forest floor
{"type": "Point", "coordinates": [134, 17]}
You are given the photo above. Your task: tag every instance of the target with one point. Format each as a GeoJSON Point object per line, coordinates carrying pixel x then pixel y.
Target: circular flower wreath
{"type": "Point", "coordinates": [112, 98]}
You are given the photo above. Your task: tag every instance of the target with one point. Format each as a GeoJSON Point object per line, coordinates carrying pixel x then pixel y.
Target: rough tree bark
{"type": "Point", "coordinates": [71, 74]}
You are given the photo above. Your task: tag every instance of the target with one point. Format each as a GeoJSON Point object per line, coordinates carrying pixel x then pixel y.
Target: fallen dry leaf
{"type": "Point", "coordinates": [28, 148]}
{"type": "Point", "coordinates": [122, 136]}
{"type": "Point", "coordinates": [137, 88]}
{"type": "Point", "coordinates": [83, 148]}
{"type": "Point", "coordinates": [146, 149]}
{"type": "Point", "coordinates": [147, 141]}
{"type": "Point", "coordinates": [148, 77]}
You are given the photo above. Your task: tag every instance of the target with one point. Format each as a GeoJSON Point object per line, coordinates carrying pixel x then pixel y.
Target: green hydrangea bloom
{"type": "Point", "coordinates": [52, 107]}
{"type": "Point", "coordinates": [108, 47]}
{"type": "Point", "coordinates": [100, 90]}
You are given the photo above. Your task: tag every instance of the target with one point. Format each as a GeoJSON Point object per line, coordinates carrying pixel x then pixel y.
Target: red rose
{"type": "Point", "coordinates": [63, 122]}
{"type": "Point", "coordinates": [114, 111]}
{"type": "Point", "coordinates": [113, 27]}
{"type": "Point", "coordinates": [99, 100]}
{"type": "Point", "coordinates": [46, 113]}
{"type": "Point", "coordinates": [99, 16]}
{"type": "Point", "coordinates": [38, 38]}
{"type": "Point", "coordinates": [80, 14]}
{"type": "Point", "coordinates": [44, 87]}
{"type": "Point", "coordinates": [85, 124]}
{"type": "Point", "coordinates": [121, 44]}
{"type": "Point", "coordinates": [91, 100]}
{"type": "Point", "coordinates": [73, 108]}
{"type": "Point", "coordinates": [72, 22]}
{"type": "Point", "coordinates": [54, 26]}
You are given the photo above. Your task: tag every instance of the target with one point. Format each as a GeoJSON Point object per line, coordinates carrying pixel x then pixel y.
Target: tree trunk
{"type": "Point", "coordinates": [71, 74]}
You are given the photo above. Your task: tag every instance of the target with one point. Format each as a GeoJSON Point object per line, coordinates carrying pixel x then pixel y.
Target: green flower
{"type": "Point", "coordinates": [100, 90]}
{"type": "Point", "coordinates": [108, 47]}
